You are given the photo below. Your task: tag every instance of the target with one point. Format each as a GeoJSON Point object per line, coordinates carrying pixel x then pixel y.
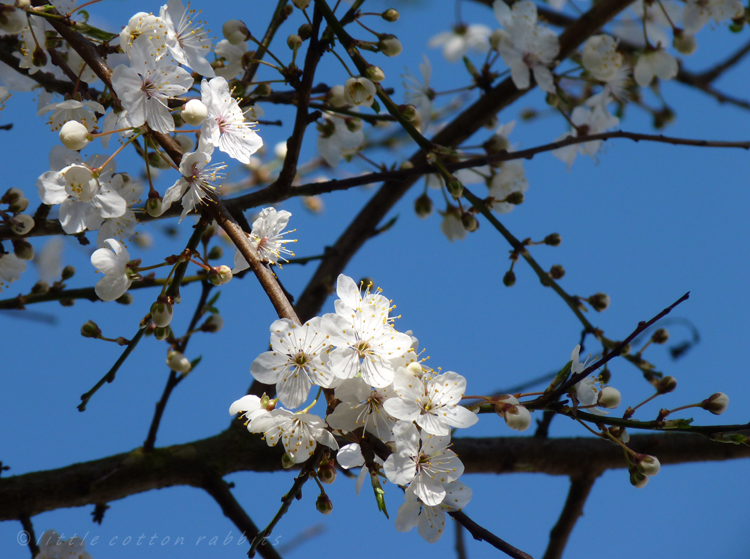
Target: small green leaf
{"type": "Point", "coordinates": [376, 106]}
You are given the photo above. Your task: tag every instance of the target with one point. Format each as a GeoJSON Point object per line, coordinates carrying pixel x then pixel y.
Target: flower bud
{"type": "Point", "coordinates": [374, 73]}
{"type": "Point", "coordinates": [90, 330]}
{"type": "Point", "coordinates": [324, 504]}
{"type": "Point", "coordinates": [12, 21]}
{"type": "Point", "coordinates": [21, 224]}
{"type": "Point", "coordinates": [214, 277]}
{"type": "Point", "coordinates": [389, 45]}
{"type": "Point", "coordinates": [161, 313]}
{"type": "Point", "coordinates": [194, 112]}
{"type": "Point", "coordinates": [23, 249]}
{"type": "Point", "coordinates": [68, 272]}
{"type": "Point", "coordinates": [213, 324]}
{"type": "Point", "coordinates": [390, 15]}
{"type": "Point", "coordinates": [469, 221]}
{"type": "Point", "coordinates": [301, 4]}
{"type": "Point", "coordinates": [553, 239]}
{"type": "Point", "coordinates": [517, 417]}
{"type": "Point", "coordinates": [304, 31]}
{"type": "Point", "coordinates": [235, 31]}
{"type": "Point", "coordinates": [684, 43]}
{"type": "Point", "coordinates": [287, 461]}
{"type": "Point", "coordinates": [666, 385]}
{"type": "Point", "coordinates": [637, 479]}
{"type": "Point", "coordinates": [496, 144]}
{"type": "Point", "coordinates": [264, 89]}
{"type": "Point", "coordinates": [354, 124]}
{"type": "Point", "coordinates": [153, 206]}
{"type": "Point", "coordinates": [327, 472]}
{"type": "Point", "coordinates": [409, 112]}
{"type": "Point", "coordinates": [716, 403]}
{"type": "Point", "coordinates": [609, 398]}
{"type": "Point", "coordinates": [509, 279]}
{"type": "Point", "coordinates": [455, 188]}
{"type": "Point", "coordinates": [335, 96]}
{"type": "Point", "coordinates": [125, 299]}
{"type": "Point", "coordinates": [225, 273]}
{"type": "Point", "coordinates": [39, 57]}
{"type": "Point", "coordinates": [294, 41]}
{"type": "Point", "coordinates": [215, 253]}
{"type": "Point", "coordinates": [359, 91]}
{"type": "Point", "coordinates": [660, 336]}
{"type": "Point", "coordinates": [74, 135]}
{"type": "Point", "coordinates": [423, 206]}
{"type": "Point", "coordinates": [557, 272]}
{"type": "Point", "coordinates": [313, 203]}
{"type": "Point", "coordinates": [178, 362]}
{"type": "Point", "coordinates": [162, 333]}
{"type": "Point", "coordinates": [648, 465]}
{"type": "Point", "coordinates": [516, 198]}
{"type": "Point", "coordinates": [599, 301]}
{"type": "Point", "coordinates": [40, 287]}
{"type": "Point", "coordinates": [496, 37]}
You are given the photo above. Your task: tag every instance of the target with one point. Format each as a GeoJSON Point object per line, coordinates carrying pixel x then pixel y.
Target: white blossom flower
{"type": "Point", "coordinates": [71, 109]}
{"type": "Point", "coordinates": [423, 462]}
{"type": "Point", "coordinates": [225, 126]}
{"type": "Point", "coordinates": [525, 47]}
{"type": "Point", "coordinates": [187, 41]}
{"type": "Point", "coordinates": [651, 17]}
{"type": "Point", "coordinates": [298, 432]}
{"type": "Point", "coordinates": [122, 227]}
{"type": "Point", "coordinates": [359, 406]}
{"type": "Point", "coordinates": [430, 521]}
{"type": "Point", "coordinates": [452, 226]}
{"type": "Point", "coordinates": [461, 39]}
{"type": "Point", "coordinates": [350, 456]}
{"type": "Point", "coordinates": [657, 63]}
{"type": "Point", "coordinates": [359, 92]}
{"type": "Point", "coordinates": [197, 181]}
{"type": "Point", "coordinates": [250, 406]}
{"type": "Point", "coordinates": [112, 262]}
{"type": "Point", "coordinates": [337, 141]}
{"type": "Point", "coordinates": [11, 268]}
{"type": "Point", "coordinates": [230, 57]}
{"type": "Point", "coordinates": [420, 94]}
{"type": "Point", "coordinates": [33, 38]}
{"type": "Point", "coordinates": [145, 25]}
{"type": "Point", "coordinates": [145, 87]}
{"type": "Point", "coordinates": [591, 118]}
{"type": "Point", "coordinates": [600, 57]}
{"type": "Point", "coordinates": [696, 13]}
{"type": "Point", "coordinates": [296, 361]}
{"type": "Point", "coordinates": [266, 236]}
{"type": "Point", "coordinates": [510, 178]}
{"type": "Point", "coordinates": [350, 297]}
{"type": "Point", "coordinates": [433, 404]}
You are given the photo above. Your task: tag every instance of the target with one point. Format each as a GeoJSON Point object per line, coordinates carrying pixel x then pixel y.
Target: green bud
{"type": "Point", "coordinates": [40, 287]}
{"type": "Point", "coordinates": [90, 330]}
{"type": "Point", "coordinates": [125, 299]}
{"type": "Point", "coordinates": [68, 272]}
{"type": "Point", "coordinates": [515, 198]}
{"type": "Point", "coordinates": [215, 253]}
{"type": "Point", "coordinates": [153, 206]}
{"type": "Point", "coordinates": [263, 90]}
{"type": "Point", "coordinates": [23, 249]}
{"type": "Point", "coordinates": [294, 41]}
{"type": "Point", "coordinates": [390, 15]}
{"type": "Point", "coordinates": [324, 504]}
{"type": "Point", "coordinates": [557, 272]}
{"type": "Point", "coordinates": [509, 279]}
{"type": "Point", "coordinates": [660, 336]}
{"type": "Point", "coordinates": [162, 333]}
{"type": "Point", "coordinates": [161, 313]}
{"type": "Point", "coordinates": [304, 31]}
{"type": "Point", "coordinates": [374, 73]}
{"type": "Point", "coordinates": [455, 188]}
{"type": "Point", "coordinates": [423, 206]}
{"type": "Point", "coordinates": [666, 385]}
{"type": "Point", "coordinates": [469, 221]}
{"type": "Point", "coordinates": [553, 239]}
{"type": "Point", "coordinates": [389, 45]}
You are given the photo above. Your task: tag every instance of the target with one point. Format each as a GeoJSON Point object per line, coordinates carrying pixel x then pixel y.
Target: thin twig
{"type": "Point", "coordinates": [482, 534]}
{"type": "Point", "coordinates": [28, 527]}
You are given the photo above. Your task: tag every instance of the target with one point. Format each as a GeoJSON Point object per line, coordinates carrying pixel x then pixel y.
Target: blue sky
{"type": "Point", "coordinates": [645, 224]}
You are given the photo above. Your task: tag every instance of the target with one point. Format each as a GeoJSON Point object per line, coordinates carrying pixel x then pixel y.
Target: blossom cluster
{"type": "Point", "coordinates": [379, 389]}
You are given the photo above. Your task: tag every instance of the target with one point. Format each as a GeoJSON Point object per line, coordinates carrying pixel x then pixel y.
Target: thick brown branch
{"type": "Point", "coordinates": [234, 450]}
{"type": "Point", "coordinates": [580, 487]}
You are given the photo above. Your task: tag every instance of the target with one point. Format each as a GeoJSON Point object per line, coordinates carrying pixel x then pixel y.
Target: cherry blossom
{"type": "Point", "coordinates": [655, 63]}
{"type": "Point", "coordinates": [11, 268]}
{"type": "Point", "coordinates": [430, 520]}
{"type": "Point", "coordinates": [460, 40]}
{"type": "Point", "coordinates": [266, 235]}
{"type": "Point", "coordinates": [337, 141]}
{"type": "Point", "coordinates": [112, 262]}
{"type": "Point", "coordinates": [696, 13]}
{"type": "Point", "coordinates": [299, 433]}
{"type": "Point", "coordinates": [510, 178]}
{"type": "Point", "coordinates": [362, 406]}
{"type": "Point", "coordinates": [187, 41]}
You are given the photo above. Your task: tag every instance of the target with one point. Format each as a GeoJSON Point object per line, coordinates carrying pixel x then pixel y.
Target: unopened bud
{"type": "Point", "coordinates": [517, 417]}
{"type": "Point", "coordinates": [301, 4]}
{"type": "Point", "coordinates": [162, 333]}
{"type": "Point", "coordinates": [553, 239]}
{"type": "Point", "coordinates": [90, 330]}
{"type": "Point", "coordinates": [666, 385]}
{"type": "Point", "coordinates": [423, 206]}
{"type": "Point", "coordinates": [516, 198]}
{"type": "Point", "coordinates": [19, 203]}
{"type": "Point", "coordinates": [509, 279]}
{"type": "Point", "coordinates": [335, 96]}
{"type": "Point", "coordinates": [304, 31]}
{"type": "Point", "coordinates": [648, 465]}
{"type": "Point", "coordinates": [68, 272]}
{"type": "Point", "coordinates": [23, 249]}
{"type": "Point", "coordinates": [609, 398]}
{"type": "Point", "coordinates": [235, 31]}
{"type": "Point", "coordinates": [389, 45]}
{"type": "Point", "coordinates": [294, 41]}
{"type": "Point", "coordinates": [264, 89]}
{"type": "Point", "coordinates": [39, 57]}
{"type": "Point", "coordinates": [684, 43]}
{"type": "Point", "coordinates": [74, 135]}
{"type": "Point", "coordinates": [455, 188]}
{"type": "Point", "coordinates": [194, 112]}
{"type": "Point", "coordinates": [324, 504]}
{"type": "Point", "coordinates": [225, 273]}
{"type": "Point", "coordinates": [153, 206]}
{"type": "Point", "coordinates": [213, 324]}
{"type": "Point", "coordinates": [599, 301]}
{"type": "Point", "coordinates": [716, 403]}
{"type": "Point", "coordinates": [469, 221]}
{"type": "Point", "coordinates": [409, 112]}
{"type": "Point", "coordinates": [557, 272]}
{"type": "Point", "coordinates": [40, 287]}
{"type": "Point", "coordinates": [287, 461]}
{"type": "Point", "coordinates": [21, 224]}
{"type": "Point", "coordinates": [354, 124]}
{"type": "Point", "coordinates": [374, 73]}
{"type": "Point", "coordinates": [660, 336]}
{"type": "Point", "coordinates": [496, 144]}
{"type": "Point", "coordinates": [327, 472]}
{"type": "Point", "coordinates": [161, 313]}
{"type": "Point", "coordinates": [125, 299]}
{"type": "Point", "coordinates": [215, 253]}
{"type": "Point", "coordinates": [637, 479]}
{"type": "Point", "coordinates": [390, 15]}
{"type": "Point", "coordinates": [178, 362]}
